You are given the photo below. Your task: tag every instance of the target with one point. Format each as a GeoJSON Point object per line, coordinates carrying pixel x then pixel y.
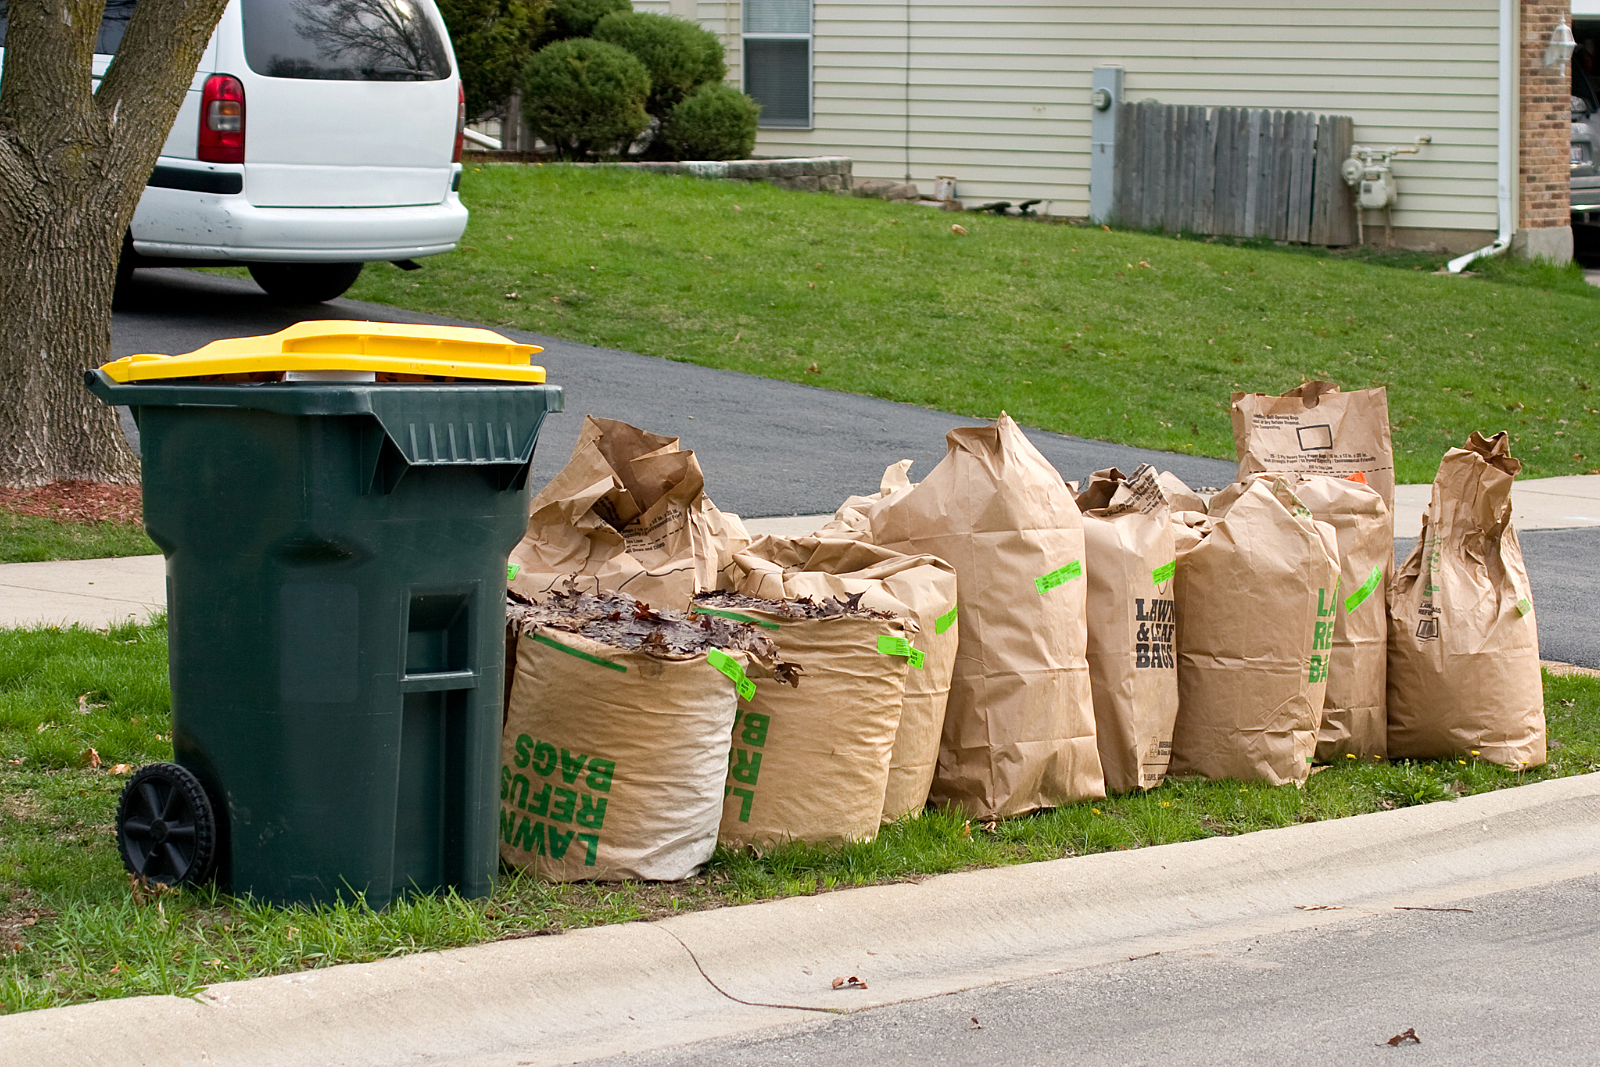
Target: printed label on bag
{"type": "Point", "coordinates": [944, 622]}
{"type": "Point", "coordinates": [1322, 635]}
{"type": "Point", "coordinates": [1153, 637]}
{"type": "Point", "coordinates": [569, 650]}
{"type": "Point", "coordinates": [1163, 574]}
{"type": "Point", "coordinates": [1060, 576]}
{"type": "Point", "coordinates": [1354, 600]}
{"type": "Point", "coordinates": [569, 799]}
{"type": "Point", "coordinates": [744, 764]}
{"type": "Point", "coordinates": [730, 666]}
{"type": "Point", "coordinates": [899, 646]}
{"type": "Point", "coordinates": [734, 615]}
{"type": "Point", "coordinates": [1524, 605]}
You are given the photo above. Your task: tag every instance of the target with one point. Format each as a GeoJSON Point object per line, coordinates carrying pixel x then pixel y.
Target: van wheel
{"type": "Point", "coordinates": [305, 283]}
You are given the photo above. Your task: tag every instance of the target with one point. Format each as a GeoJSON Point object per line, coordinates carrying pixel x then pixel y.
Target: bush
{"type": "Point", "coordinates": [679, 55]}
{"type": "Point", "coordinates": [716, 121]}
{"type": "Point", "coordinates": [493, 40]}
{"type": "Point", "coordinates": [586, 97]}
{"type": "Point", "coordinates": [576, 18]}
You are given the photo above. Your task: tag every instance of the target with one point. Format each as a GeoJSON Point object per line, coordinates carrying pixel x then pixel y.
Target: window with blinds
{"type": "Point", "coordinates": [777, 60]}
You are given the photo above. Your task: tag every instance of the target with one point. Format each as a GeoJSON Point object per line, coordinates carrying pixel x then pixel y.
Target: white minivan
{"type": "Point", "coordinates": [317, 136]}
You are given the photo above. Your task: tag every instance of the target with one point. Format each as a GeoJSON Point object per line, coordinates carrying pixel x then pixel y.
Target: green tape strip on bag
{"type": "Point", "coordinates": [734, 615]}
{"type": "Point", "coordinates": [944, 622]}
{"type": "Point", "coordinates": [1164, 572]}
{"type": "Point", "coordinates": [1524, 605]}
{"type": "Point", "coordinates": [511, 571]}
{"type": "Point", "coordinates": [899, 646]}
{"type": "Point", "coordinates": [730, 666]}
{"type": "Point", "coordinates": [1354, 600]}
{"type": "Point", "coordinates": [569, 650]}
{"type": "Point", "coordinates": [1060, 576]}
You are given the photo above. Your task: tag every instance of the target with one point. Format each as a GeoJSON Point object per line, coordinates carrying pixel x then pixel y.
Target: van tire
{"type": "Point", "coordinates": [305, 283]}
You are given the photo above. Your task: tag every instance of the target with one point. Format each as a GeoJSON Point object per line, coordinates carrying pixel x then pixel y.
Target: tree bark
{"type": "Point", "coordinates": [73, 163]}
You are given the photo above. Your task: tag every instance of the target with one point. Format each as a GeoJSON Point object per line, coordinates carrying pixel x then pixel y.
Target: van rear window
{"type": "Point", "coordinates": [344, 40]}
{"type": "Point", "coordinates": [112, 25]}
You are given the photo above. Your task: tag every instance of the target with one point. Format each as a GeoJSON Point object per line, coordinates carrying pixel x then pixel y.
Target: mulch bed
{"type": "Point", "coordinates": [75, 501]}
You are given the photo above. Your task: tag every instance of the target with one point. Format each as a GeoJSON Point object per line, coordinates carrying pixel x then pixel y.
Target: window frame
{"type": "Point", "coordinates": [809, 37]}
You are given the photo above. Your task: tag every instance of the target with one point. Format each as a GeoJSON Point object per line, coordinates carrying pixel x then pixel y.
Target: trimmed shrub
{"type": "Point", "coordinates": [586, 98]}
{"type": "Point", "coordinates": [576, 18]}
{"type": "Point", "coordinates": [679, 55]}
{"type": "Point", "coordinates": [493, 40]}
{"type": "Point", "coordinates": [716, 121]}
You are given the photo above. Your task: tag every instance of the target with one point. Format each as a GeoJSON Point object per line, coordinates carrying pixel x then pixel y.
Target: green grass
{"type": "Point", "coordinates": [72, 928]}
{"type": "Point", "coordinates": [1126, 337]}
{"type": "Point", "coordinates": [27, 539]}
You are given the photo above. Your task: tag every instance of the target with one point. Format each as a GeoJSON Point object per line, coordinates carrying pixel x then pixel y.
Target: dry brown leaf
{"type": "Point", "coordinates": [1319, 907]}
{"type": "Point", "coordinates": [851, 982]}
{"type": "Point", "coordinates": [958, 229]}
{"type": "Point", "coordinates": [1408, 1036]}
{"type": "Point", "coordinates": [121, 768]}
{"type": "Point", "coordinates": [92, 759]}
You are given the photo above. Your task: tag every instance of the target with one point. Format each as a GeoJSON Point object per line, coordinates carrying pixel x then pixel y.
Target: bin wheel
{"type": "Point", "coordinates": [166, 829]}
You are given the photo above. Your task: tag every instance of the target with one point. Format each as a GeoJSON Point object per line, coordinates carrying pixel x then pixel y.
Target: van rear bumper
{"type": "Point", "coordinates": [184, 224]}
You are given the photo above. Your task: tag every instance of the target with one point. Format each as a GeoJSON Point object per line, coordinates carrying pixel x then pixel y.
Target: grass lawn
{"type": "Point", "coordinates": [72, 929]}
{"type": "Point", "coordinates": [1117, 336]}
{"type": "Point", "coordinates": [29, 539]}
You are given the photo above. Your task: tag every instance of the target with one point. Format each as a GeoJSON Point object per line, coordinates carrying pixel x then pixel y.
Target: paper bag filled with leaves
{"type": "Point", "coordinates": [1133, 672]}
{"type": "Point", "coordinates": [1019, 728]}
{"type": "Point", "coordinates": [1353, 722]}
{"type": "Point", "coordinates": [812, 763]}
{"type": "Point", "coordinates": [616, 742]}
{"type": "Point", "coordinates": [919, 588]}
{"type": "Point", "coordinates": [1255, 589]}
{"type": "Point", "coordinates": [627, 513]}
{"type": "Point", "coordinates": [1316, 429]}
{"type": "Point", "coordinates": [1463, 645]}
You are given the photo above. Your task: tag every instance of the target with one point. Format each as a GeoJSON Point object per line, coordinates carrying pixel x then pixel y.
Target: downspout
{"type": "Point", "coordinates": [1506, 179]}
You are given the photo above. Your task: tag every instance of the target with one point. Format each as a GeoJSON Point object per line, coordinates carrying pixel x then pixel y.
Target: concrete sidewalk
{"type": "Point", "coordinates": [639, 986]}
{"type": "Point", "coordinates": [96, 592]}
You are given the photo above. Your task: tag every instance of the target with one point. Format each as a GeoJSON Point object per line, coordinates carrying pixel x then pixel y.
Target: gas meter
{"type": "Point", "coordinates": [1369, 172]}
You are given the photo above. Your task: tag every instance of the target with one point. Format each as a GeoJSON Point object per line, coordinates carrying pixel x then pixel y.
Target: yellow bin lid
{"type": "Point", "coordinates": [344, 345]}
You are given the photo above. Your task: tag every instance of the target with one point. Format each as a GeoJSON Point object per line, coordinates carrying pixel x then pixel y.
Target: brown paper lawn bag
{"type": "Point", "coordinates": [1255, 590]}
{"type": "Point", "coordinates": [812, 763]}
{"type": "Point", "coordinates": [919, 588]}
{"type": "Point", "coordinates": [1353, 721]}
{"type": "Point", "coordinates": [1316, 429]}
{"type": "Point", "coordinates": [1463, 641]}
{"type": "Point", "coordinates": [1130, 563]}
{"type": "Point", "coordinates": [629, 513]}
{"type": "Point", "coordinates": [1019, 727]}
{"type": "Point", "coordinates": [614, 757]}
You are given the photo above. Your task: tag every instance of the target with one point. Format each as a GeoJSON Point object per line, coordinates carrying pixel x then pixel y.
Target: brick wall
{"type": "Point", "coordinates": [1545, 121]}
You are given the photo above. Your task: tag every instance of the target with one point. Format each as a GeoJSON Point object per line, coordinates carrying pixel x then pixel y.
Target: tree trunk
{"type": "Point", "coordinates": [73, 163]}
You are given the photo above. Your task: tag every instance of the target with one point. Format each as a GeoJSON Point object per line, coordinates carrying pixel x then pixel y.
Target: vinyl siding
{"type": "Point", "coordinates": [997, 95]}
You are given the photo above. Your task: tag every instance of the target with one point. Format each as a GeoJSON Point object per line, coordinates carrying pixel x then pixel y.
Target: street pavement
{"type": "Point", "coordinates": [1474, 982]}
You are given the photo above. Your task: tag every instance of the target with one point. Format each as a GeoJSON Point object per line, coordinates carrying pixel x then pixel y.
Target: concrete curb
{"type": "Point", "coordinates": [638, 986]}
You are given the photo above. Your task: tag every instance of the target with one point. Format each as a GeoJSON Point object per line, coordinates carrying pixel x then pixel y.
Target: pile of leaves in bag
{"type": "Point", "coordinates": [799, 608]}
{"type": "Point", "coordinates": [620, 621]}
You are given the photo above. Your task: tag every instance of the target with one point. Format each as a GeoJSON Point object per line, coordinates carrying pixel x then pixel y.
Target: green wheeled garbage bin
{"type": "Point", "coordinates": [335, 503]}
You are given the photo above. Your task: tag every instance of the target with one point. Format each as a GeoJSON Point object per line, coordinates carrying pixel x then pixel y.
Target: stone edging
{"type": "Point", "coordinates": [814, 174]}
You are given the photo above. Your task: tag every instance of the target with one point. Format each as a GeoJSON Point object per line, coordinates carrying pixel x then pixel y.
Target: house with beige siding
{"type": "Point", "coordinates": [997, 95]}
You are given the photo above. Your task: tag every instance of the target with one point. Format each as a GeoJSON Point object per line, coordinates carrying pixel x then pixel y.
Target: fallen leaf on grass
{"type": "Point", "coordinates": [1408, 1036]}
{"type": "Point", "coordinates": [958, 229]}
{"type": "Point", "coordinates": [813, 369]}
{"type": "Point", "coordinates": [121, 768]}
{"type": "Point", "coordinates": [966, 830]}
{"type": "Point", "coordinates": [91, 758]}
{"type": "Point", "coordinates": [849, 983]}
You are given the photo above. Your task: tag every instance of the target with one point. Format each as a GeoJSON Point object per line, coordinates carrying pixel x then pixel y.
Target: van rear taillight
{"type": "Point", "coordinates": [461, 121]}
{"type": "Point", "coordinates": [222, 120]}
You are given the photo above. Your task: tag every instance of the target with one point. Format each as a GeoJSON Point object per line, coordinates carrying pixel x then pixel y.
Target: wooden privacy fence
{"type": "Point", "coordinates": [1237, 172]}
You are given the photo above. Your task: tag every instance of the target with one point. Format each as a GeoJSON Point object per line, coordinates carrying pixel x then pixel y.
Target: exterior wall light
{"type": "Point", "coordinates": [1560, 47]}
